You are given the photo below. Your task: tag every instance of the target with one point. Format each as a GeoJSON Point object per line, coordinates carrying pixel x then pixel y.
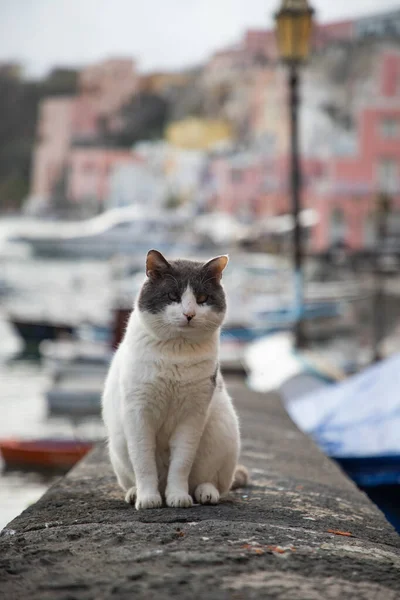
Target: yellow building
{"type": "Point", "coordinates": [198, 134]}
{"type": "Point", "coordinates": [159, 82]}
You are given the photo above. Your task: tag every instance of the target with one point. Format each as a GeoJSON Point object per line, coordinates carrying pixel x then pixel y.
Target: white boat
{"type": "Point", "coordinates": [76, 391]}
{"type": "Point", "coordinates": [58, 354]}
{"type": "Point", "coordinates": [123, 231]}
{"type": "Point", "coordinates": [75, 399]}
{"type": "Point", "coordinates": [5, 288]}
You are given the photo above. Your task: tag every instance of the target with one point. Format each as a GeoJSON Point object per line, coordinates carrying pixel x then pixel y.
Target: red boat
{"type": "Point", "coordinates": [43, 454]}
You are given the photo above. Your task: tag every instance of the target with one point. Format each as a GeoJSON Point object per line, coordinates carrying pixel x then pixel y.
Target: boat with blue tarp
{"type": "Point", "coordinates": [357, 423]}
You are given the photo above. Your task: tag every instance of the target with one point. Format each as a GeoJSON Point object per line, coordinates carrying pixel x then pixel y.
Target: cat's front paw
{"type": "Point", "coordinates": [130, 495]}
{"type": "Point", "coordinates": [148, 501]}
{"type": "Point", "coordinates": [206, 493]}
{"type": "Point", "coordinates": [178, 500]}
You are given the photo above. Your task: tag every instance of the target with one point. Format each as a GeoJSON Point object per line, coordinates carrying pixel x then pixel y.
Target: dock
{"type": "Point", "coordinates": [301, 530]}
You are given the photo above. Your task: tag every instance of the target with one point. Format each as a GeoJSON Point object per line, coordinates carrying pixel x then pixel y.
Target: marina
{"type": "Point", "coordinates": [69, 344]}
{"type": "Point", "coordinates": [161, 435]}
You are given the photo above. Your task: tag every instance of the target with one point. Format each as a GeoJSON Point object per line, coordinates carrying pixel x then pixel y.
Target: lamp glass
{"type": "Point", "coordinates": [294, 35]}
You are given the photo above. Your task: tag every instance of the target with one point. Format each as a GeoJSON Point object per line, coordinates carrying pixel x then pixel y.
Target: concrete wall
{"type": "Point", "coordinates": [300, 530]}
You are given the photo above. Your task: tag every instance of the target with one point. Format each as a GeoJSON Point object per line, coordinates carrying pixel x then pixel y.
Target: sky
{"type": "Point", "coordinates": [159, 34]}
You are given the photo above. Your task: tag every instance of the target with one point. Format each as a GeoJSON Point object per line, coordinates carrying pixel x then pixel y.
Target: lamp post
{"type": "Point", "coordinates": [294, 23]}
{"type": "Point", "coordinates": [383, 204]}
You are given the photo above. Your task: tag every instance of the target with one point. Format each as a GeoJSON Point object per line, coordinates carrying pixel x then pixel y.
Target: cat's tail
{"type": "Point", "coordinates": [241, 477]}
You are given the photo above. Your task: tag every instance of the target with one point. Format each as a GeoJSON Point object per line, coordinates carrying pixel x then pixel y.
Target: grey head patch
{"type": "Point", "coordinates": [167, 285]}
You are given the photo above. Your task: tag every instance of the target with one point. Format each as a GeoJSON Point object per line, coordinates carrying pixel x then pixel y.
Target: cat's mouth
{"type": "Point", "coordinates": [186, 326]}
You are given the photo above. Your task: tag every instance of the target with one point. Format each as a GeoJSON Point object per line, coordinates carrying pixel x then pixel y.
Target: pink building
{"type": "Point", "coordinates": [340, 31]}
{"type": "Point", "coordinates": [252, 187]}
{"type": "Point", "coordinates": [261, 43]}
{"type": "Point", "coordinates": [227, 64]}
{"type": "Point", "coordinates": [354, 182]}
{"type": "Point", "coordinates": [109, 85]}
{"type": "Point", "coordinates": [55, 122]}
{"type": "Point", "coordinates": [103, 89]}
{"type": "Point", "coordinates": [343, 188]}
{"type": "Point", "coordinates": [89, 171]}
{"type": "Point", "coordinates": [268, 109]}
{"type": "Point", "coordinates": [84, 124]}
{"type": "Point", "coordinates": [238, 184]}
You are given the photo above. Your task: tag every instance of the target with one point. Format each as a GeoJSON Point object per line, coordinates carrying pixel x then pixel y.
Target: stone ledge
{"type": "Point", "coordinates": [272, 539]}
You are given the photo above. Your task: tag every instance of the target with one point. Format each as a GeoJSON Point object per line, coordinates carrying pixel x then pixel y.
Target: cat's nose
{"type": "Point", "coordinates": [189, 316]}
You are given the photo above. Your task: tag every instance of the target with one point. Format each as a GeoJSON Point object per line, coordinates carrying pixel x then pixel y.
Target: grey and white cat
{"type": "Point", "coordinates": [173, 431]}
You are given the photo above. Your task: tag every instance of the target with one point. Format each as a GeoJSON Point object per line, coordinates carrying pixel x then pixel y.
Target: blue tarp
{"type": "Point", "coordinates": [357, 422]}
{"type": "Point", "coordinates": [356, 418]}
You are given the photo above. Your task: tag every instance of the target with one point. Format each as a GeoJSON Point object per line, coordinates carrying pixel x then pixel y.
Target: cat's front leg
{"type": "Point", "coordinates": [183, 447]}
{"type": "Point", "coordinates": [141, 440]}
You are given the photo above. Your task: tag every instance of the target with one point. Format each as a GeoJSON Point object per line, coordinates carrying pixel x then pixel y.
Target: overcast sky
{"type": "Point", "coordinates": [158, 33]}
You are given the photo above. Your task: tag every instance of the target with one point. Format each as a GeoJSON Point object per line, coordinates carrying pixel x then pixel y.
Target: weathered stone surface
{"type": "Point", "coordinates": [271, 540]}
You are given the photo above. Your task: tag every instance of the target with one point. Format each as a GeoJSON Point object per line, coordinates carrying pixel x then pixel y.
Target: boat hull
{"type": "Point", "coordinates": [41, 455]}
{"type": "Point", "coordinates": [37, 331]}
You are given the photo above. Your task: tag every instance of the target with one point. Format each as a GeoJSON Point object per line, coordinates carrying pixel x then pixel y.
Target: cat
{"type": "Point", "coordinates": [173, 432]}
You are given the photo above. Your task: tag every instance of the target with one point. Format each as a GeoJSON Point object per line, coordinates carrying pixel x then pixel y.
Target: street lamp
{"type": "Point", "coordinates": [294, 23]}
{"type": "Point", "coordinates": [382, 210]}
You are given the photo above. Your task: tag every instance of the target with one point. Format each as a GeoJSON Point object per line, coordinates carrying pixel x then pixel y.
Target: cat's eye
{"type": "Point", "coordinates": [173, 297]}
{"type": "Point", "coordinates": [202, 299]}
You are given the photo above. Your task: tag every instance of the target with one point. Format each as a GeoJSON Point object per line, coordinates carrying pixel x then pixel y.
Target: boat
{"type": "Point", "coordinates": [356, 422]}
{"type": "Point", "coordinates": [118, 231]}
{"type": "Point", "coordinates": [90, 346]}
{"type": "Point", "coordinates": [260, 305]}
{"type": "Point", "coordinates": [76, 391]}
{"type": "Point", "coordinates": [56, 354]}
{"type": "Point", "coordinates": [6, 288]}
{"type": "Point", "coordinates": [43, 454]}
{"type": "Point", "coordinates": [35, 331]}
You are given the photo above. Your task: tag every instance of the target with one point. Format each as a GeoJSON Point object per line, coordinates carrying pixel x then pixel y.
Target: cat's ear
{"type": "Point", "coordinates": [156, 264]}
{"type": "Point", "coordinates": [216, 265]}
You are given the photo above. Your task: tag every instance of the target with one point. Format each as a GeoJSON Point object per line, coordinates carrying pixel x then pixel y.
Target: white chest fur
{"type": "Point", "coordinates": [176, 359]}
{"type": "Point", "coordinates": [171, 429]}
{"type": "Point", "coordinates": [166, 378]}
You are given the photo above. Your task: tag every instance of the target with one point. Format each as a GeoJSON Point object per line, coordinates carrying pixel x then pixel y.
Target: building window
{"type": "Point", "coordinates": [236, 175]}
{"type": "Point", "coordinates": [388, 177]}
{"type": "Point", "coordinates": [337, 227]}
{"type": "Point", "coordinates": [369, 232]}
{"type": "Point", "coordinates": [89, 167]}
{"type": "Point", "coordinates": [390, 128]}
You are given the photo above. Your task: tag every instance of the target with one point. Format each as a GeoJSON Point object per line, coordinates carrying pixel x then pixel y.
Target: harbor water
{"type": "Point", "coordinates": [83, 292]}
{"type": "Point", "coordinates": [56, 289]}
